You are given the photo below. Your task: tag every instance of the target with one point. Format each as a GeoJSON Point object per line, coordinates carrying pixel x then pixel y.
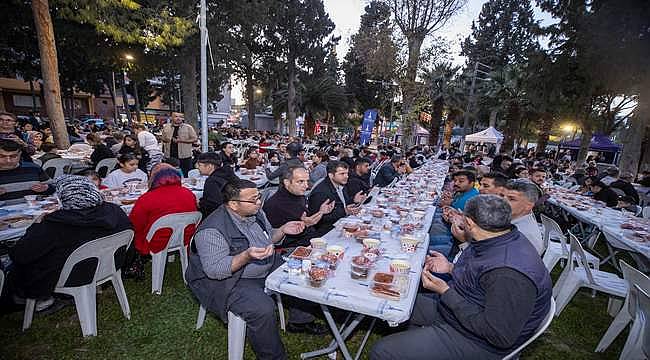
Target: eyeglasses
{"type": "Point", "coordinates": [257, 199]}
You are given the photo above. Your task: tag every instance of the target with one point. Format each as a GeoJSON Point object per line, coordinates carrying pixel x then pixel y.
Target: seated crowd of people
{"type": "Point", "coordinates": [480, 300]}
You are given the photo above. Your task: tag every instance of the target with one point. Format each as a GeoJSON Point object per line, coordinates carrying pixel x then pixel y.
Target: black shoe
{"type": "Point", "coordinates": [312, 328]}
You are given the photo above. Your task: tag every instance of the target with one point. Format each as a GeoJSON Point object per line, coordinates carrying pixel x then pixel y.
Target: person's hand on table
{"type": "Point", "coordinates": [438, 263]}
{"type": "Point", "coordinates": [360, 197]}
{"type": "Point", "coordinates": [293, 228]}
{"type": "Point", "coordinates": [39, 188]}
{"type": "Point", "coordinates": [433, 283]}
{"type": "Point", "coordinates": [257, 253]}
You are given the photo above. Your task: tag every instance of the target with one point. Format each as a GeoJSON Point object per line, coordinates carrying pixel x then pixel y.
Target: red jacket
{"type": "Point", "coordinates": [155, 204]}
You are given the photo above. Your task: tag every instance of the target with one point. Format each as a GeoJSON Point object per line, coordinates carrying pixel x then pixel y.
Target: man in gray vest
{"type": "Point", "coordinates": [498, 295]}
{"type": "Point", "coordinates": [229, 259]}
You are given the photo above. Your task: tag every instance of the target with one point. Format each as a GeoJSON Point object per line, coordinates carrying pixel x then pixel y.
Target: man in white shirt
{"type": "Point", "coordinates": [149, 142]}
{"type": "Point", "coordinates": [522, 195]}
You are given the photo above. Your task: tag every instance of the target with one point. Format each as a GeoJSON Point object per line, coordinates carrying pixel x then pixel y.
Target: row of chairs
{"type": "Point", "coordinates": [582, 270]}
{"type": "Point", "coordinates": [59, 166]}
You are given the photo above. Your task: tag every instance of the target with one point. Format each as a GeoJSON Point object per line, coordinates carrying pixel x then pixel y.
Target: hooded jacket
{"type": "Point", "coordinates": [212, 189]}
{"type": "Point", "coordinates": [40, 254]}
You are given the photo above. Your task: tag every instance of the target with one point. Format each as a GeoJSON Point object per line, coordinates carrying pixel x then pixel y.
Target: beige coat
{"type": "Point", "coordinates": [185, 133]}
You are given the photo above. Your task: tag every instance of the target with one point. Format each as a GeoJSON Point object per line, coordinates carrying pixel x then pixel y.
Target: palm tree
{"type": "Point", "coordinates": [441, 89]}
{"type": "Point", "coordinates": [321, 96]}
{"type": "Point", "coordinates": [508, 87]}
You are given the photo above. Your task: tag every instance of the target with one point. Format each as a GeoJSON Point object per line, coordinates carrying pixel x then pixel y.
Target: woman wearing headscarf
{"type": "Point", "coordinates": [166, 196]}
{"type": "Point", "coordinates": [39, 256]}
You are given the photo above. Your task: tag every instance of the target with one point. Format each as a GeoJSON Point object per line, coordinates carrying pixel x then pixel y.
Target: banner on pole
{"type": "Point", "coordinates": [369, 117]}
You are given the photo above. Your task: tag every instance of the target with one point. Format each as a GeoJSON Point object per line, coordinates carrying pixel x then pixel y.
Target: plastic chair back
{"type": "Point", "coordinates": [646, 212]}
{"type": "Point", "coordinates": [540, 330]}
{"type": "Point", "coordinates": [60, 166]}
{"type": "Point", "coordinates": [576, 249]}
{"type": "Point", "coordinates": [635, 278]}
{"type": "Point", "coordinates": [643, 315]}
{"type": "Point", "coordinates": [37, 162]}
{"type": "Point", "coordinates": [177, 223]}
{"type": "Point", "coordinates": [267, 193]}
{"type": "Point", "coordinates": [194, 173]}
{"type": "Point", "coordinates": [552, 227]}
{"type": "Point", "coordinates": [2, 280]}
{"type": "Point", "coordinates": [103, 249]}
{"type": "Point", "coordinates": [109, 164]}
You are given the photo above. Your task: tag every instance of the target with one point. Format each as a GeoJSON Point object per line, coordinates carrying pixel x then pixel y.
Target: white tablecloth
{"type": "Point", "coordinates": [609, 222]}
{"type": "Point", "coordinates": [343, 292]}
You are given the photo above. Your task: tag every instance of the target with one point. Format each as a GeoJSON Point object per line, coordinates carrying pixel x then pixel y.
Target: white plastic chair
{"type": "Point", "coordinates": [646, 212]}
{"type": "Point", "coordinates": [634, 278]}
{"type": "Point", "coordinates": [2, 281]}
{"type": "Point", "coordinates": [82, 147]}
{"type": "Point", "coordinates": [177, 223]}
{"type": "Point", "coordinates": [109, 164]}
{"type": "Point", "coordinates": [267, 193]}
{"type": "Point", "coordinates": [194, 173]}
{"type": "Point", "coordinates": [540, 330]}
{"type": "Point", "coordinates": [278, 301]}
{"type": "Point", "coordinates": [578, 274]}
{"type": "Point", "coordinates": [61, 166]}
{"type": "Point", "coordinates": [637, 345]}
{"type": "Point", "coordinates": [236, 333]}
{"type": "Point", "coordinates": [103, 249]}
{"type": "Point", "coordinates": [556, 251]}
{"type": "Point", "coordinates": [37, 162]}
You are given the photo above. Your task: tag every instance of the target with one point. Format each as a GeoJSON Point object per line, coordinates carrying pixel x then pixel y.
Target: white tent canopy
{"type": "Point", "coordinates": [489, 135]}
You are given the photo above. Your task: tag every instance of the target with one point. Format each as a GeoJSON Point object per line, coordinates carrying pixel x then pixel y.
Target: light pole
{"type": "Point", "coordinates": [204, 76]}
{"type": "Point", "coordinates": [392, 97]}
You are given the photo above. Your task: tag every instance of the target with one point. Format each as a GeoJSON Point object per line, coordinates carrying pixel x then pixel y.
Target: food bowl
{"type": "Point", "coordinates": [331, 259]}
{"type": "Point", "coordinates": [336, 250]}
{"type": "Point", "coordinates": [409, 244]}
{"type": "Point", "coordinates": [360, 268]}
{"type": "Point", "coordinates": [301, 253]}
{"type": "Point", "coordinates": [371, 243]}
{"type": "Point", "coordinates": [318, 243]}
{"type": "Point", "coordinates": [400, 266]}
{"type": "Point", "coordinates": [317, 276]}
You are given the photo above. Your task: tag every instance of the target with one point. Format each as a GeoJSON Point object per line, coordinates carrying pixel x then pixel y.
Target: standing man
{"type": "Point", "coordinates": [333, 189]}
{"type": "Point", "coordinates": [289, 203]}
{"type": "Point", "coordinates": [177, 139]}
{"type": "Point", "coordinates": [358, 179]}
{"type": "Point", "coordinates": [148, 142]}
{"type": "Point", "coordinates": [229, 259]}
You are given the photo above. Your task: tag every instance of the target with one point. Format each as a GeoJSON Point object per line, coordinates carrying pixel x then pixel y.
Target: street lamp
{"type": "Point", "coordinates": [258, 91]}
{"type": "Point", "coordinates": [129, 57]}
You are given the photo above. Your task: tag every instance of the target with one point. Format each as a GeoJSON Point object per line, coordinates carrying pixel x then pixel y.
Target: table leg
{"type": "Point", "coordinates": [339, 336]}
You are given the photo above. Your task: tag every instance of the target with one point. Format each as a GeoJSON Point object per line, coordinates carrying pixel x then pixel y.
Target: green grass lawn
{"type": "Point", "coordinates": [162, 327]}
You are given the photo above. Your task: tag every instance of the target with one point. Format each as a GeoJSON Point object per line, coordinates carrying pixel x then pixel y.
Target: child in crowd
{"type": "Point", "coordinates": [127, 173]}
{"type": "Point", "coordinates": [94, 177]}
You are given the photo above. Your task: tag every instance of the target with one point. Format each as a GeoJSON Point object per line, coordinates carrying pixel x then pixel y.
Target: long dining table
{"type": "Point", "coordinates": [411, 203]}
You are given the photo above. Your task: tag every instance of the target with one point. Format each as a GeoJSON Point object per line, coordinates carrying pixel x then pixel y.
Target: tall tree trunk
{"type": "Point", "coordinates": [493, 118]}
{"type": "Point", "coordinates": [449, 127]}
{"type": "Point", "coordinates": [436, 120]}
{"type": "Point", "coordinates": [137, 101]}
{"type": "Point", "coordinates": [72, 112]}
{"type": "Point", "coordinates": [291, 95]}
{"type": "Point", "coordinates": [310, 124]}
{"type": "Point", "coordinates": [113, 97]}
{"type": "Point", "coordinates": [409, 120]}
{"type": "Point", "coordinates": [631, 154]}
{"type": "Point", "coordinates": [50, 72]}
{"type": "Point", "coordinates": [512, 126]}
{"type": "Point", "coordinates": [189, 85]}
{"type": "Point", "coordinates": [250, 98]}
{"type": "Point", "coordinates": [645, 158]}
{"type": "Point", "coordinates": [546, 124]}
{"type": "Point", "coordinates": [585, 141]}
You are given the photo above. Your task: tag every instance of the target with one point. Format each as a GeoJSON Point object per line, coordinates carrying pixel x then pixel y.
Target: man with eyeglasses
{"type": "Point", "coordinates": [19, 179]}
{"type": "Point", "coordinates": [230, 256]}
{"type": "Point", "coordinates": [333, 188]}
